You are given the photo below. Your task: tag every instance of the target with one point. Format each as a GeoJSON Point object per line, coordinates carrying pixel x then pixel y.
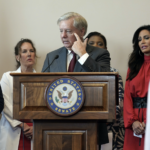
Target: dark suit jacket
{"type": "Point", "coordinates": [98, 61]}
{"type": "Point", "coordinates": [1, 100]}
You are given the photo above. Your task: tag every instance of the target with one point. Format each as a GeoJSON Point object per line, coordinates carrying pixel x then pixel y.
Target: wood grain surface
{"type": "Point", "coordinates": [74, 135]}
{"type": "Point", "coordinates": [100, 90]}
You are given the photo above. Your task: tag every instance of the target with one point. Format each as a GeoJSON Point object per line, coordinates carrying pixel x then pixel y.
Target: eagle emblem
{"type": "Point", "coordinates": [64, 96]}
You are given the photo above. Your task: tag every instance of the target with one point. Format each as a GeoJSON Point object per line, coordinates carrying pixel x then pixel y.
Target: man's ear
{"type": "Point", "coordinates": [82, 32]}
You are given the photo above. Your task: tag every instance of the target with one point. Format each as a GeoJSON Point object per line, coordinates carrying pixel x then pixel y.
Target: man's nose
{"type": "Point", "coordinates": [63, 34]}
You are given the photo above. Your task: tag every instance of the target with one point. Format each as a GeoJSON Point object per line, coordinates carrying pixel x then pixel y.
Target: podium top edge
{"type": "Point", "coordinates": [64, 73]}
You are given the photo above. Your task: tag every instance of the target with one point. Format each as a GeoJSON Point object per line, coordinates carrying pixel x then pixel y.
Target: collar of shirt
{"type": "Point", "coordinates": [69, 58]}
{"type": "Point", "coordinates": [69, 51]}
{"type": "Point", "coordinates": [81, 60]}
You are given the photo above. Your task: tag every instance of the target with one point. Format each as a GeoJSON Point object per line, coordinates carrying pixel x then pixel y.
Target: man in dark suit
{"type": "Point", "coordinates": [86, 58]}
{"type": "Point", "coordinates": [90, 59]}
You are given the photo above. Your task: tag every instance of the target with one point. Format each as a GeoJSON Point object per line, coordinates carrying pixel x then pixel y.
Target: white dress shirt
{"type": "Point", "coordinates": [81, 60]}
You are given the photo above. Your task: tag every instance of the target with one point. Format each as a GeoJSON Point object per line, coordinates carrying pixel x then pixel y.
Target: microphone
{"type": "Point", "coordinates": [56, 57]}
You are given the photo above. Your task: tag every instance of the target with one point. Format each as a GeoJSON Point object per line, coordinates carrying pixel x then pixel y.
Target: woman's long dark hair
{"type": "Point", "coordinates": [136, 58]}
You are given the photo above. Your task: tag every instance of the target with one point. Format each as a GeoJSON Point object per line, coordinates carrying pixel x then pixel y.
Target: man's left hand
{"type": "Point", "coordinates": [79, 47]}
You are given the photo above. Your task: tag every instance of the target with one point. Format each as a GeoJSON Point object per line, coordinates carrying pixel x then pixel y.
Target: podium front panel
{"type": "Point", "coordinates": [100, 96]}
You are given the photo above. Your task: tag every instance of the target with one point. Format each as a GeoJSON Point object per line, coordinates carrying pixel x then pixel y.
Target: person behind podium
{"type": "Point", "coordinates": [76, 55]}
{"type": "Point", "coordinates": [1, 100]}
{"type": "Point", "coordinates": [11, 137]}
{"type": "Point", "coordinates": [72, 28]}
{"type": "Point", "coordinates": [98, 40]}
{"type": "Point", "coordinates": [136, 89]}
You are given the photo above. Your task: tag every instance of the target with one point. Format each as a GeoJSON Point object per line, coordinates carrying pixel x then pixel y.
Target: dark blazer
{"type": "Point", "coordinates": [1, 100]}
{"type": "Point", "coordinates": [98, 61]}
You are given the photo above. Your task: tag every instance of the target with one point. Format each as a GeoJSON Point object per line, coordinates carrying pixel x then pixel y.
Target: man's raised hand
{"type": "Point", "coordinates": [79, 47]}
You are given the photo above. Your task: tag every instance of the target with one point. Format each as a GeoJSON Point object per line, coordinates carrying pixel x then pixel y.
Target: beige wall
{"type": "Point", "coordinates": [36, 19]}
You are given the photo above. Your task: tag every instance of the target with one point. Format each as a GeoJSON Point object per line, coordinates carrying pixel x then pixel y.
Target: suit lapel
{"type": "Point", "coordinates": [61, 61]}
{"type": "Point", "coordinates": [78, 67]}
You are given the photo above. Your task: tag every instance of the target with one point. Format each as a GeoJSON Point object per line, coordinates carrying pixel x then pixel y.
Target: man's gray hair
{"type": "Point", "coordinates": [79, 21]}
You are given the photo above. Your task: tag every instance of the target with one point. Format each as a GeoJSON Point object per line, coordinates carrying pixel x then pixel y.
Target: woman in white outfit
{"type": "Point", "coordinates": [11, 137]}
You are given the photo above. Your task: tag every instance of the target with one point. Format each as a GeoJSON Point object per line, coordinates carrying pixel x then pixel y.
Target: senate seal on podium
{"type": "Point", "coordinates": [64, 96]}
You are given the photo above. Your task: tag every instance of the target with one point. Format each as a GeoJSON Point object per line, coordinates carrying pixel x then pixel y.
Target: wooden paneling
{"type": "Point", "coordinates": [94, 93]}
{"type": "Point", "coordinates": [32, 94]}
{"type": "Point", "coordinates": [63, 140]}
{"type": "Point", "coordinates": [52, 135]}
{"type": "Point", "coordinates": [100, 91]}
{"type": "Point", "coordinates": [53, 132]}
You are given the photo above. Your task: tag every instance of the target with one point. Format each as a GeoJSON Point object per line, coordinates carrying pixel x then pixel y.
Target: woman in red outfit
{"type": "Point", "coordinates": [11, 130]}
{"type": "Point", "coordinates": [135, 96]}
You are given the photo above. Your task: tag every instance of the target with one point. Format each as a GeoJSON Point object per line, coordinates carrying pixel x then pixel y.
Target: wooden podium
{"type": "Point", "coordinates": [53, 132]}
